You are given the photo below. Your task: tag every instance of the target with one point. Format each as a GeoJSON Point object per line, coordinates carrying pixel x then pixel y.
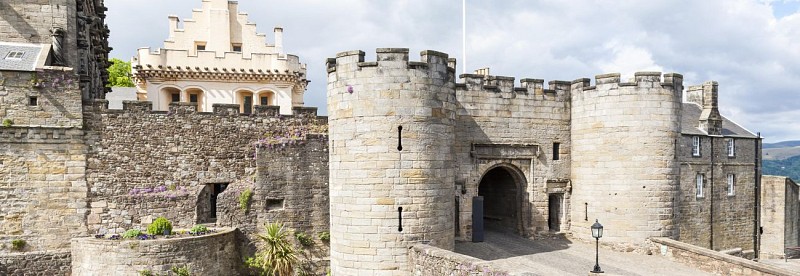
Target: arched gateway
{"type": "Point", "coordinates": [501, 188]}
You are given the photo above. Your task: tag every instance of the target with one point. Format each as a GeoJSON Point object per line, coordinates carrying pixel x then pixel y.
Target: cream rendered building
{"type": "Point", "coordinates": [217, 57]}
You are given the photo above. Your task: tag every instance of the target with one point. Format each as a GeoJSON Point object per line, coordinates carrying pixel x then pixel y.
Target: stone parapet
{"type": "Point", "coordinates": [712, 261]}
{"type": "Point", "coordinates": [428, 260]}
{"type": "Point", "coordinates": [212, 254]}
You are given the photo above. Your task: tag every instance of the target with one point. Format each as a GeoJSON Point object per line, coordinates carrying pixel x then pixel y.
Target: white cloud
{"type": "Point", "coordinates": [754, 54]}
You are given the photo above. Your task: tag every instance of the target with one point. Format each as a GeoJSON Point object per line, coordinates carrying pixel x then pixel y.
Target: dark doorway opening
{"type": "Point", "coordinates": [501, 200]}
{"type": "Point", "coordinates": [555, 203]}
{"type": "Point", "coordinates": [207, 202]}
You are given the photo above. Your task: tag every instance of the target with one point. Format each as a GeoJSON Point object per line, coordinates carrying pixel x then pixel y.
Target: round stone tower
{"type": "Point", "coordinates": [624, 167]}
{"type": "Point", "coordinates": [391, 126]}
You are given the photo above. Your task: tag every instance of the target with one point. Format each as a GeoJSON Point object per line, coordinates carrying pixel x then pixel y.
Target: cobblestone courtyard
{"type": "Point", "coordinates": [559, 256]}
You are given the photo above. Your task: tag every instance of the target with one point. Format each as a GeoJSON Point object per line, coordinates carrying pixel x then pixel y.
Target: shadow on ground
{"type": "Point", "coordinates": [499, 244]}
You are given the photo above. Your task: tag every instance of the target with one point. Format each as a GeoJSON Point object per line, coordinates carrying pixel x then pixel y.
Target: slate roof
{"type": "Point", "coordinates": [690, 121]}
{"type": "Point", "coordinates": [30, 56]}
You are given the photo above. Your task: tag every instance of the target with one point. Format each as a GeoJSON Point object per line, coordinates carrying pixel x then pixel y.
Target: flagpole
{"type": "Point", "coordinates": [464, 36]}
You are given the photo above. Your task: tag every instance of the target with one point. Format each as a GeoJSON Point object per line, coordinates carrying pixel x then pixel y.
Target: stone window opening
{"type": "Point", "coordinates": [15, 55]}
{"type": "Point", "coordinates": [695, 145]}
{"type": "Point", "coordinates": [200, 46]}
{"type": "Point", "coordinates": [731, 147]}
{"type": "Point", "coordinates": [236, 47]}
{"type": "Point", "coordinates": [699, 185]}
{"type": "Point", "coordinates": [33, 101]}
{"type": "Point", "coordinates": [556, 151]}
{"type": "Point", "coordinates": [175, 97]}
{"type": "Point", "coordinates": [731, 184]}
{"type": "Point", "coordinates": [195, 95]}
{"type": "Point", "coordinates": [245, 100]}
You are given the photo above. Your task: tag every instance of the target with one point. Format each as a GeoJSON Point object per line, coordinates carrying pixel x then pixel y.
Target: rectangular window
{"type": "Point", "coordinates": [731, 147]}
{"type": "Point", "coordinates": [264, 100]}
{"type": "Point", "coordinates": [699, 182]}
{"type": "Point", "coordinates": [175, 97]}
{"type": "Point", "coordinates": [695, 145]}
{"type": "Point", "coordinates": [200, 46]}
{"type": "Point", "coordinates": [15, 55]}
{"type": "Point", "coordinates": [236, 47]}
{"type": "Point", "coordinates": [556, 150]}
{"type": "Point", "coordinates": [731, 184]}
{"type": "Point", "coordinates": [248, 104]}
{"type": "Point", "coordinates": [33, 101]}
{"type": "Point", "coordinates": [193, 98]}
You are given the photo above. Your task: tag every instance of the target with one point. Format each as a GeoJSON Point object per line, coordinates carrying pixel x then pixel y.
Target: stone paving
{"type": "Point", "coordinates": [559, 256]}
{"type": "Point", "coordinates": [792, 264]}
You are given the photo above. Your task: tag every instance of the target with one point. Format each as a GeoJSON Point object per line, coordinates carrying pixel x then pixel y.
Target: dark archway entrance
{"type": "Point", "coordinates": [207, 202]}
{"type": "Point", "coordinates": [501, 199]}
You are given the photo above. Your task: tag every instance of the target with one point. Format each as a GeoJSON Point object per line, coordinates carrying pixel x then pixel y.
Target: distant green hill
{"type": "Point", "coordinates": [784, 144]}
{"type": "Point", "coordinates": [787, 167]}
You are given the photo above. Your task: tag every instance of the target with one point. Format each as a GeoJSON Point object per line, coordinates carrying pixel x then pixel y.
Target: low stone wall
{"type": "Point", "coordinates": [214, 254]}
{"type": "Point", "coordinates": [712, 261]}
{"type": "Point", "coordinates": [429, 260]}
{"type": "Point", "coordinates": [48, 263]}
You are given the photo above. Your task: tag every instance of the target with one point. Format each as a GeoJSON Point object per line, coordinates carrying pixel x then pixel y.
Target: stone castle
{"type": "Point", "coordinates": [407, 155]}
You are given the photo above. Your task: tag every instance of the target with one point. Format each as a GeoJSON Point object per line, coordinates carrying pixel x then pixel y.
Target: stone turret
{"type": "Point", "coordinates": [391, 158]}
{"type": "Point", "coordinates": [624, 169]}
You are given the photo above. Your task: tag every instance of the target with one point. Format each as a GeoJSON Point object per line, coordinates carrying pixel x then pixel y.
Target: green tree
{"type": "Point", "coordinates": [119, 73]}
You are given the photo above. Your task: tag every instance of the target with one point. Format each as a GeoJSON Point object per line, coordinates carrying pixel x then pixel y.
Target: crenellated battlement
{"type": "Point", "coordinates": [395, 58]}
{"type": "Point", "coordinates": [505, 87]}
{"type": "Point", "coordinates": [100, 106]}
{"type": "Point", "coordinates": [640, 79]}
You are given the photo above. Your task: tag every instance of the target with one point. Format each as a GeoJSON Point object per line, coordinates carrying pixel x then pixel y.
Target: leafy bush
{"type": "Point", "coordinates": [181, 270]}
{"type": "Point", "coordinates": [244, 199]}
{"type": "Point", "coordinates": [8, 122]}
{"type": "Point", "coordinates": [324, 236]}
{"type": "Point", "coordinates": [199, 228]}
{"type": "Point", "coordinates": [278, 256]}
{"type": "Point", "coordinates": [159, 225]}
{"type": "Point", "coordinates": [145, 272]}
{"type": "Point", "coordinates": [132, 233]}
{"type": "Point", "coordinates": [304, 239]}
{"type": "Point", "coordinates": [18, 244]}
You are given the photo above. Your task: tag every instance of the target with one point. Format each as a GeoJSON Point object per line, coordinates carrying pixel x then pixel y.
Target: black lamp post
{"type": "Point", "coordinates": [597, 233]}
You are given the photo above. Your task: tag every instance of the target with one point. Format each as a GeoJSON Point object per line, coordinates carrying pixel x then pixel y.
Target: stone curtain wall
{"type": "Point", "coordinates": [212, 254]}
{"type": "Point", "coordinates": [371, 176]}
{"type": "Point", "coordinates": [51, 263]}
{"type": "Point", "coordinates": [490, 110]}
{"type": "Point", "coordinates": [143, 164]}
{"type": "Point", "coordinates": [712, 261]}
{"type": "Point", "coordinates": [57, 95]}
{"type": "Point", "coordinates": [731, 217]}
{"type": "Point", "coordinates": [426, 260]}
{"type": "Point", "coordinates": [623, 155]}
{"type": "Point", "coordinates": [42, 161]}
{"type": "Point", "coordinates": [291, 186]}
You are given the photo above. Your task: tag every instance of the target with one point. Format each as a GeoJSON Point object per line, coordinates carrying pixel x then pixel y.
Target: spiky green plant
{"type": "Point", "coordinates": [278, 257]}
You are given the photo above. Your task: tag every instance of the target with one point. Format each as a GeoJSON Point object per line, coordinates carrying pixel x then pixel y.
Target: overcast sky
{"type": "Point", "coordinates": [751, 47]}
